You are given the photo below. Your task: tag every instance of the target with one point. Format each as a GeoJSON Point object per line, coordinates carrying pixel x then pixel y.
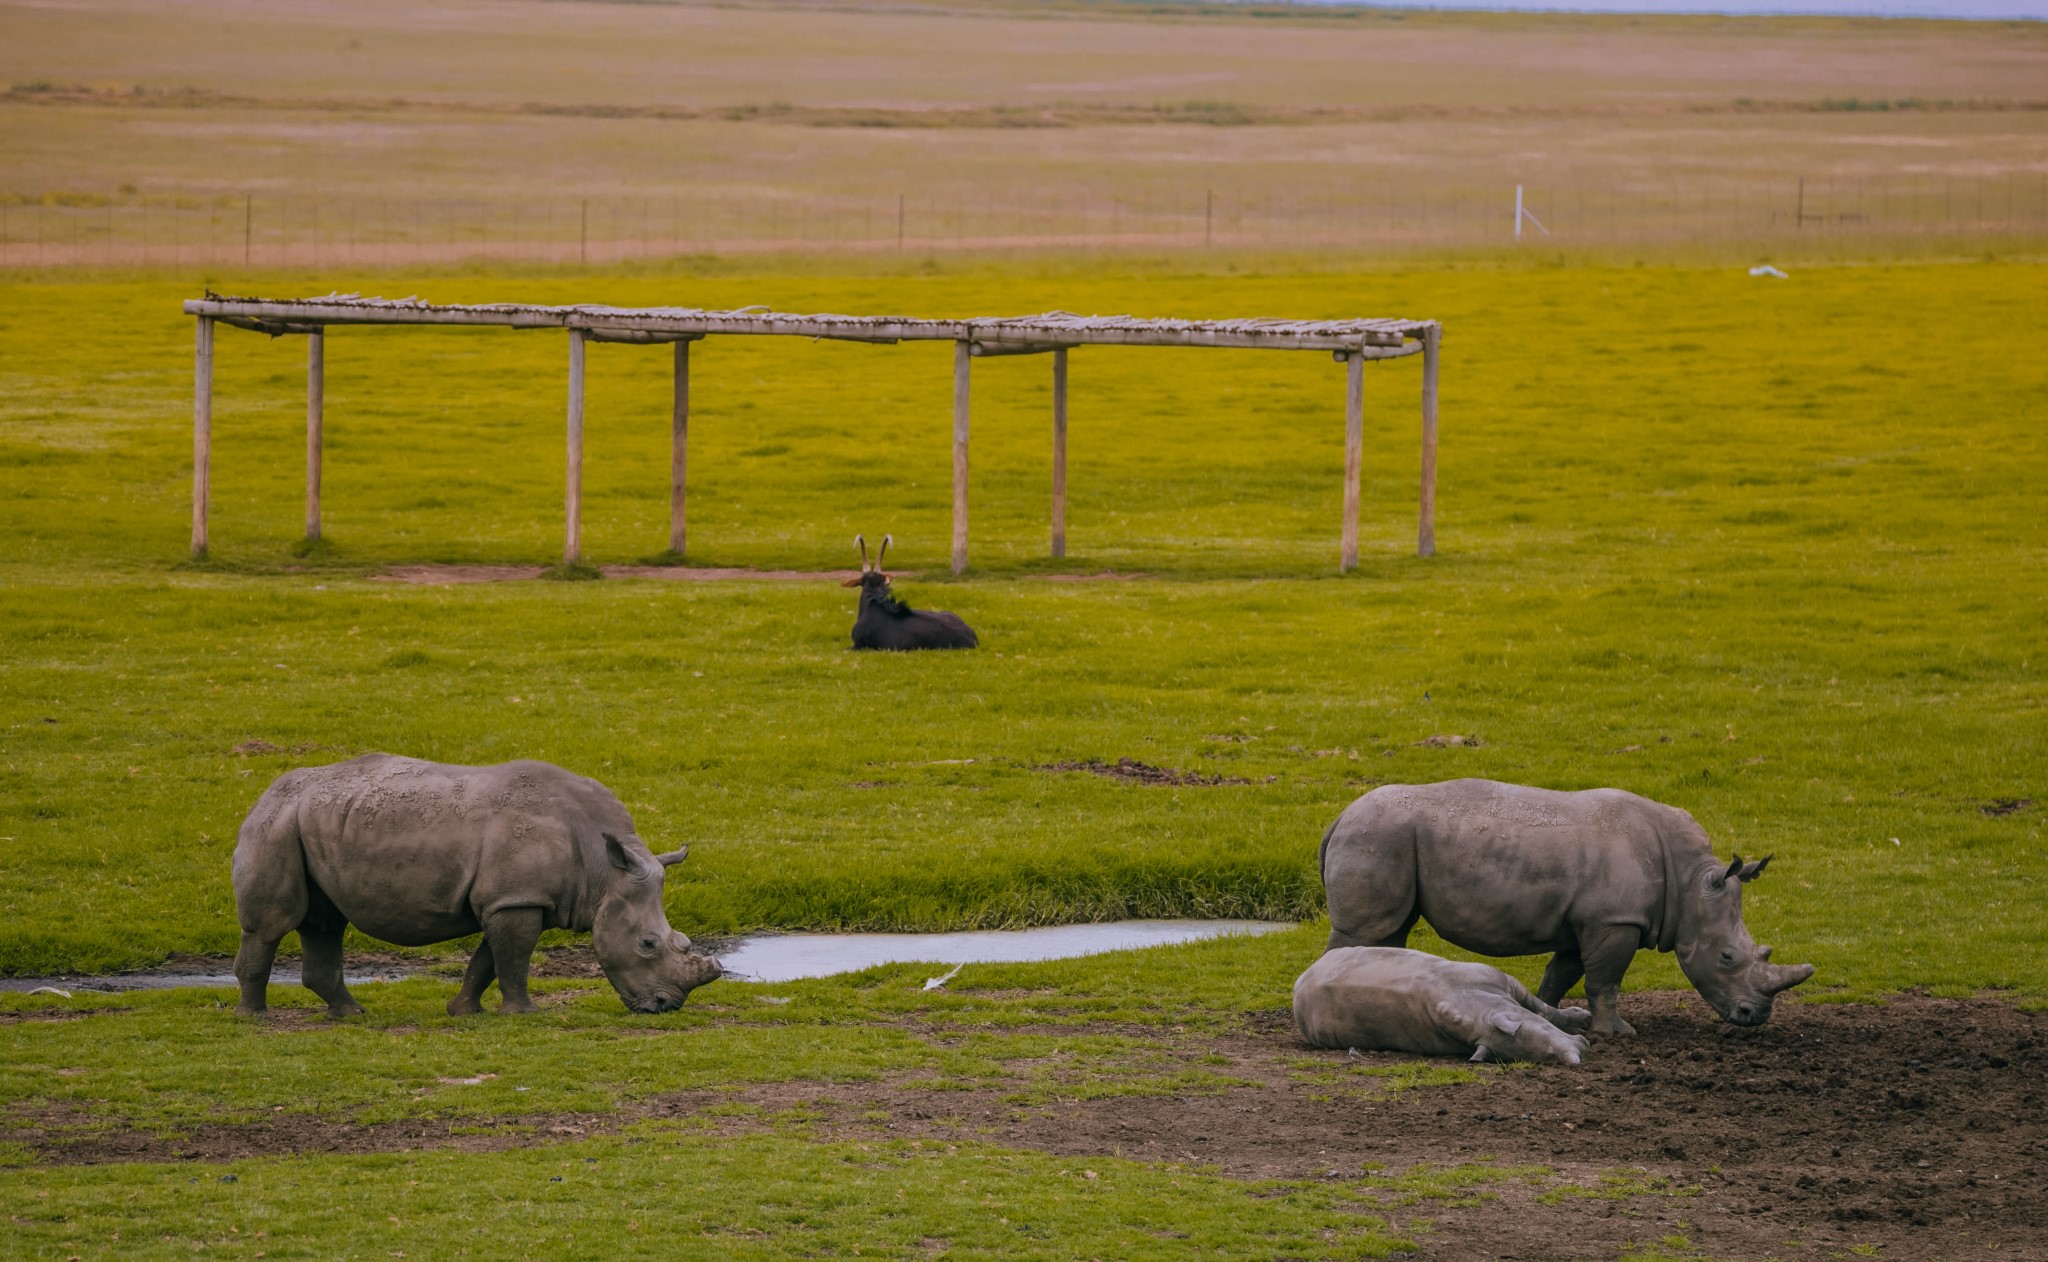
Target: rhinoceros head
{"type": "Point", "coordinates": [649, 964]}
{"type": "Point", "coordinates": [1718, 956]}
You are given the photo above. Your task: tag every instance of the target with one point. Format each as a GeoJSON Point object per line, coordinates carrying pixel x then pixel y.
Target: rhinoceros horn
{"type": "Point", "coordinates": [1778, 977]}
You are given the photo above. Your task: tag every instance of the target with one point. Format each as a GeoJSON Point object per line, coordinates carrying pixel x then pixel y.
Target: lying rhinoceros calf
{"type": "Point", "coordinates": [1502, 869]}
{"type": "Point", "coordinates": [416, 852]}
{"type": "Point", "coordinates": [1395, 1000]}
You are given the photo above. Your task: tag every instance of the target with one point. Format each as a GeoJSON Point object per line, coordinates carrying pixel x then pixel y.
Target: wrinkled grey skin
{"type": "Point", "coordinates": [1395, 1000]}
{"type": "Point", "coordinates": [1503, 869]}
{"type": "Point", "coordinates": [417, 852]}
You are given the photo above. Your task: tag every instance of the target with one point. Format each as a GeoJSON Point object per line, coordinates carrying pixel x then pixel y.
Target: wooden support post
{"type": "Point", "coordinates": [1354, 450]}
{"type": "Point", "coordinates": [572, 544]}
{"type": "Point", "coordinates": [1425, 535]}
{"type": "Point", "coordinates": [679, 455]}
{"type": "Point", "coordinates": [963, 362]}
{"type": "Point", "coordinates": [316, 407]}
{"type": "Point", "coordinates": [202, 432]}
{"type": "Point", "coordinates": [1059, 452]}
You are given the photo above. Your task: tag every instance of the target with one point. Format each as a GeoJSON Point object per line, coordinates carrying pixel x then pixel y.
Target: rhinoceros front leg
{"type": "Point", "coordinates": [512, 934]}
{"type": "Point", "coordinates": [1607, 954]}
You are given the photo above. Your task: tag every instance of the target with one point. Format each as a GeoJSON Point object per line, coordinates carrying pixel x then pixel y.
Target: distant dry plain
{"type": "Point", "coordinates": [534, 99]}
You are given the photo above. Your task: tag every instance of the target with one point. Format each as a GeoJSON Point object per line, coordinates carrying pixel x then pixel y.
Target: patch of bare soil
{"type": "Point", "coordinates": [442, 575]}
{"type": "Point", "coordinates": [1918, 1127]}
{"type": "Point", "coordinates": [1132, 771]}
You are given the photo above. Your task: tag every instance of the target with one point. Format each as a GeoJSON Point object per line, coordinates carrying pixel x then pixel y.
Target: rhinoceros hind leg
{"type": "Point", "coordinates": [320, 965]}
{"type": "Point", "coordinates": [1607, 954]}
{"type": "Point", "coordinates": [482, 971]}
{"type": "Point", "coordinates": [252, 970]}
{"type": "Point", "coordinates": [513, 933]}
{"type": "Point", "coordinates": [1563, 973]}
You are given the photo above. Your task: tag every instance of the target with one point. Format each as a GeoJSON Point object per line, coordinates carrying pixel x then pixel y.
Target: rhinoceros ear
{"type": "Point", "coordinates": [1720, 879]}
{"type": "Point", "coordinates": [617, 853]}
{"type": "Point", "coordinates": [1751, 871]}
{"type": "Point", "coordinates": [673, 857]}
{"type": "Point", "coordinates": [1506, 1022]}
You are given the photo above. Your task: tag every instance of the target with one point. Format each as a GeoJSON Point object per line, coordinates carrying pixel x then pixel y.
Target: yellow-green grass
{"type": "Point", "coordinates": [660, 1191]}
{"type": "Point", "coordinates": [1766, 550]}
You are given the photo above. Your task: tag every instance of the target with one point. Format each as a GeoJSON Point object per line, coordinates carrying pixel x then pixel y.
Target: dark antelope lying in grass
{"type": "Point", "coordinates": [885, 622]}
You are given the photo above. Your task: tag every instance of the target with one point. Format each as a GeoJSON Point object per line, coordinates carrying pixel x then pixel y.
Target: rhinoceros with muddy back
{"type": "Point", "coordinates": [418, 852]}
{"type": "Point", "coordinates": [1593, 876]}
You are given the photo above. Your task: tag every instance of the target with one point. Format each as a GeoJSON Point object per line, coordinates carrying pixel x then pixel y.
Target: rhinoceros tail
{"type": "Point", "coordinates": [1323, 858]}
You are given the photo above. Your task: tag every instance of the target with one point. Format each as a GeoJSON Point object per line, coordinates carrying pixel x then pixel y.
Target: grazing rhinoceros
{"type": "Point", "coordinates": [416, 852]}
{"type": "Point", "coordinates": [1395, 1000]}
{"type": "Point", "coordinates": [1503, 869]}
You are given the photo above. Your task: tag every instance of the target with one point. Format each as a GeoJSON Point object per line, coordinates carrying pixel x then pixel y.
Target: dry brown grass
{"type": "Point", "coordinates": [998, 124]}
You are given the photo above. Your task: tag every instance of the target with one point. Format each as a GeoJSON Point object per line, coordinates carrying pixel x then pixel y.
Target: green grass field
{"type": "Point", "coordinates": [1767, 550]}
{"type": "Point", "coordinates": [1773, 558]}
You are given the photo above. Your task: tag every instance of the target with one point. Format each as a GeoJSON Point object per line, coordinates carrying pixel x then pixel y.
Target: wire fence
{"type": "Point", "coordinates": [75, 230]}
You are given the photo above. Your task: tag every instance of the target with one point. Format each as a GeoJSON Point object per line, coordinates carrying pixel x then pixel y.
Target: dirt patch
{"type": "Point", "coordinates": [1132, 771]}
{"type": "Point", "coordinates": [257, 746]}
{"type": "Point", "coordinates": [1451, 741]}
{"type": "Point", "coordinates": [55, 1014]}
{"type": "Point", "coordinates": [1918, 1126]}
{"type": "Point", "coordinates": [442, 575]}
{"type": "Point", "coordinates": [2005, 806]}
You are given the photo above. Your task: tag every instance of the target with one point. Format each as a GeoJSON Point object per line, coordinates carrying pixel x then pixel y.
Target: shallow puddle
{"type": "Point", "coordinates": [786, 957]}
{"type": "Point", "coordinates": [279, 976]}
{"type": "Point", "coordinates": [783, 957]}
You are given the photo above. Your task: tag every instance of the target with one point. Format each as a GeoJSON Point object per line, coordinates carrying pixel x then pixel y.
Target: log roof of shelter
{"type": "Point", "coordinates": [1386, 337]}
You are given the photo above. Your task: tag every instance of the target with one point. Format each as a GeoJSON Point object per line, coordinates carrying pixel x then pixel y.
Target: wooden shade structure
{"type": "Point", "coordinates": [1351, 342]}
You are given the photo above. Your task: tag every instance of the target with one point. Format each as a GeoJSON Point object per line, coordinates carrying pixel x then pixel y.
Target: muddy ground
{"type": "Point", "coordinates": [1918, 1126]}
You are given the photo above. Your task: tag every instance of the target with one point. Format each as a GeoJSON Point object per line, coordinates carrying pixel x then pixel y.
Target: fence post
{"type": "Point", "coordinates": [316, 407]}
{"type": "Point", "coordinates": [202, 431]}
{"type": "Point", "coordinates": [1354, 452]}
{"type": "Point", "coordinates": [963, 361]}
{"type": "Point", "coordinates": [1425, 533]}
{"type": "Point", "coordinates": [1059, 452]}
{"type": "Point", "coordinates": [679, 458]}
{"type": "Point", "coordinates": [572, 544]}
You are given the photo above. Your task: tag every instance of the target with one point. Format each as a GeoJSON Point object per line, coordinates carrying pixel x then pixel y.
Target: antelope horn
{"type": "Point", "coordinates": [861, 542]}
{"type": "Point", "coordinates": [886, 541]}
